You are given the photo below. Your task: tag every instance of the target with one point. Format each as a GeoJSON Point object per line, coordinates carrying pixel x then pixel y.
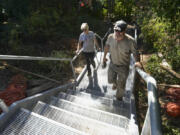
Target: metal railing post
{"type": "Point", "coordinates": [3, 106]}
{"type": "Point", "coordinates": [135, 35]}
{"type": "Point", "coordinates": [101, 47]}
{"type": "Point", "coordinates": [152, 122]}
{"type": "Point", "coordinates": [74, 74]}
{"type": "Point", "coordinates": [102, 39]}
{"type": "Point", "coordinates": [146, 126]}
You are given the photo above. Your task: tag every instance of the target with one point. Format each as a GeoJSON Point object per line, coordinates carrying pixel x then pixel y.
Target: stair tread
{"type": "Point", "coordinates": [93, 94]}
{"type": "Point", "coordinates": [96, 103]}
{"type": "Point", "coordinates": [110, 118]}
{"type": "Point", "coordinates": [77, 121]}
{"type": "Point", "coordinates": [29, 123]}
{"type": "Point", "coordinates": [104, 100]}
{"type": "Point", "coordinates": [107, 95]}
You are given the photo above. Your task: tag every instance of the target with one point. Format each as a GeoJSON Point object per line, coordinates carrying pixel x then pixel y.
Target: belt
{"type": "Point", "coordinates": [120, 65]}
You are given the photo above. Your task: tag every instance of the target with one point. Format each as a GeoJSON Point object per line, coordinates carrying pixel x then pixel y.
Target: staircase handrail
{"type": "Point", "coordinates": [3, 106]}
{"type": "Point", "coordinates": [29, 102]}
{"type": "Point", "coordinates": [16, 57]}
{"type": "Point", "coordinates": [152, 123]}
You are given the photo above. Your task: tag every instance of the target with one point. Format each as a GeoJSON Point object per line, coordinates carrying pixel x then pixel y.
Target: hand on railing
{"type": "Point", "coordinates": [138, 64]}
{"type": "Point", "coordinates": [77, 51]}
{"type": "Point", "coordinates": [98, 49]}
{"type": "Point", "coordinates": [104, 63]}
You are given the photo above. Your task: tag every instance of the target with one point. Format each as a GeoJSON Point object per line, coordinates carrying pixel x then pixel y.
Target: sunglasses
{"type": "Point", "coordinates": [117, 31]}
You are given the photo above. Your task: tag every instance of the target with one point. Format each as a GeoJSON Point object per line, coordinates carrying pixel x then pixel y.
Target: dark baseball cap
{"type": "Point", "coordinates": [120, 26]}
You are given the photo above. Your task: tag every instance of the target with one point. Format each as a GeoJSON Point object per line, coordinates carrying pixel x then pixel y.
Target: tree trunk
{"type": "Point", "coordinates": [172, 72]}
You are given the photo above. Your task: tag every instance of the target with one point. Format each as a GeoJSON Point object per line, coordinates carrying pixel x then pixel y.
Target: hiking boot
{"type": "Point", "coordinates": [114, 86]}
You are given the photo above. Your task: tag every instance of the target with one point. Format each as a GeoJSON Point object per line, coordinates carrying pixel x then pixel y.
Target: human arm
{"type": "Point", "coordinates": [106, 50]}
{"type": "Point", "coordinates": [96, 44]}
{"type": "Point", "coordinates": [79, 46]}
{"type": "Point", "coordinates": [135, 54]}
{"type": "Point", "coordinates": [80, 43]}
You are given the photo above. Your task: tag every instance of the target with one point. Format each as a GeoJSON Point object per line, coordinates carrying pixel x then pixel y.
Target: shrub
{"type": "Point", "coordinates": [155, 34]}
{"type": "Point", "coordinates": [57, 69]}
{"type": "Point", "coordinates": [173, 57]}
{"type": "Point", "coordinates": [161, 76]}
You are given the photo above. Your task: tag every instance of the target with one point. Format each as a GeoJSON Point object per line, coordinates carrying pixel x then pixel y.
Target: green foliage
{"type": "Point", "coordinates": [123, 9]}
{"type": "Point", "coordinates": [118, 9]}
{"type": "Point", "coordinates": [14, 38]}
{"type": "Point", "coordinates": [97, 9]}
{"type": "Point", "coordinates": [56, 67]}
{"type": "Point", "coordinates": [161, 76]}
{"type": "Point", "coordinates": [167, 8]}
{"type": "Point", "coordinates": [170, 127]}
{"type": "Point", "coordinates": [155, 34]}
{"type": "Point", "coordinates": [173, 57]}
{"type": "Point", "coordinates": [11, 38]}
{"type": "Point", "coordinates": [16, 9]}
{"type": "Point", "coordinates": [42, 22]}
{"type": "Point", "coordinates": [160, 30]}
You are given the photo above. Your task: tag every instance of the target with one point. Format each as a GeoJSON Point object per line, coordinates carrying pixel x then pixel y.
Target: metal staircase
{"type": "Point", "coordinates": [86, 106]}
{"type": "Point", "coordinates": [90, 109]}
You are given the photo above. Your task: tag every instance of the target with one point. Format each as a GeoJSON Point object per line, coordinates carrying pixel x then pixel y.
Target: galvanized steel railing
{"type": "Point", "coordinates": [152, 122]}
{"type": "Point", "coordinates": [13, 57]}
{"type": "Point", "coordinates": [29, 102]}
{"type": "Point", "coordinates": [102, 39]}
{"type": "Point", "coordinates": [3, 106]}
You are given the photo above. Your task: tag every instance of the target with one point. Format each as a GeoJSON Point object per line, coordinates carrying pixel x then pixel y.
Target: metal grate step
{"type": "Point", "coordinates": [76, 121]}
{"type": "Point", "coordinates": [98, 93]}
{"type": "Point", "coordinates": [29, 123]}
{"type": "Point", "coordinates": [94, 96]}
{"type": "Point", "coordinates": [95, 103]}
{"type": "Point", "coordinates": [92, 113]}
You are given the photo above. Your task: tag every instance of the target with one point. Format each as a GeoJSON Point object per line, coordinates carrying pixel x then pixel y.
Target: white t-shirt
{"type": "Point", "coordinates": [88, 41]}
